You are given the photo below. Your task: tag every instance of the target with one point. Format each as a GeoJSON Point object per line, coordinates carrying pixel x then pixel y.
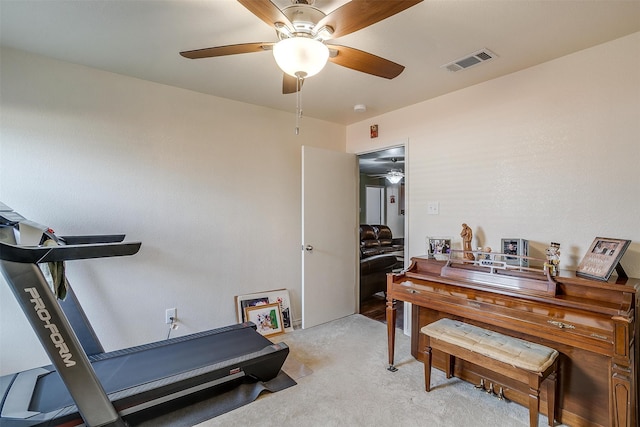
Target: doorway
{"type": "Point", "coordinates": [382, 226]}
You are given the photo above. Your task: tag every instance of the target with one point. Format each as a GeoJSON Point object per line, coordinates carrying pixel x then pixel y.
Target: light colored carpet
{"type": "Point", "coordinates": [340, 368]}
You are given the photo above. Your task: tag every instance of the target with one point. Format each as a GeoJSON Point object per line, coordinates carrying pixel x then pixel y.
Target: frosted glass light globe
{"type": "Point", "coordinates": [301, 56]}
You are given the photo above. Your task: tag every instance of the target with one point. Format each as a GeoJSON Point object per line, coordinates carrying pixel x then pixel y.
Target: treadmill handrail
{"type": "Point", "coordinates": [40, 254]}
{"type": "Point", "coordinates": [92, 238]}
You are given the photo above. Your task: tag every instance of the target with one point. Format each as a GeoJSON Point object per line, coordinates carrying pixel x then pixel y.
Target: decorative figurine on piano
{"type": "Point", "coordinates": [553, 259]}
{"type": "Point", "coordinates": [467, 236]}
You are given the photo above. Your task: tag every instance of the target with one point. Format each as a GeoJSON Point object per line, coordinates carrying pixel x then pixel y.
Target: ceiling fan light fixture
{"type": "Point", "coordinates": [301, 56]}
{"type": "Point", "coordinates": [394, 177]}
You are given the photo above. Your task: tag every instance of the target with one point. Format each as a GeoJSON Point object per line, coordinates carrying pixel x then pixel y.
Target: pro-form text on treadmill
{"type": "Point", "coordinates": [56, 338]}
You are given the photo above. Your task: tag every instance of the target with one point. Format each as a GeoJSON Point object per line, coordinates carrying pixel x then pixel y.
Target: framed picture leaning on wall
{"type": "Point", "coordinates": [602, 258]}
{"type": "Point", "coordinates": [267, 318]}
{"type": "Point", "coordinates": [280, 296]}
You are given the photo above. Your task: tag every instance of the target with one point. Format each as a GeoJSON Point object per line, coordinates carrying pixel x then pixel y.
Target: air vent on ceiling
{"type": "Point", "coordinates": [470, 60]}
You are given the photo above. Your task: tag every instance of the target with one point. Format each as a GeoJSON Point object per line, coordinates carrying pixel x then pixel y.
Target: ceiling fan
{"type": "Point", "coordinates": [394, 176]}
{"type": "Point", "coordinates": [303, 29]}
{"type": "Point", "coordinates": [393, 166]}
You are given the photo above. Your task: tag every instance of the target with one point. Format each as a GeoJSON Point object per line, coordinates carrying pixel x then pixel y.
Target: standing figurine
{"type": "Point", "coordinates": [467, 236]}
{"type": "Point", "coordinates": [553, 258]}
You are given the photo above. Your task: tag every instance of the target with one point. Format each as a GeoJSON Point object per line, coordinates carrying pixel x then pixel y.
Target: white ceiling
{"type": "Point", "coordinates": [142, 38]}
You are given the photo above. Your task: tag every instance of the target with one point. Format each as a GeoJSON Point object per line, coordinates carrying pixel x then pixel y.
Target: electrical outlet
{"type": "Point", "coordinates": [171, 312]}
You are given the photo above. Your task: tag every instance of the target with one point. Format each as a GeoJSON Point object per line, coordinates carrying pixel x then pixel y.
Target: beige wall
{"type": "Point", "coordinates": [210, 186]}
{"type": "Point", "coordinates": [551, 153]}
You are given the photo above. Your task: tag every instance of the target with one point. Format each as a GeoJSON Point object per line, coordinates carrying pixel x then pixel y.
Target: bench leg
{"type": "Point", "coordinates": [449, 360]}
{"type": "Point", "coordinates": [551, 398]}
{"type": "Point", "coordinates": [427, 367]}
{"type": "Point", "coordinates": [534, 403]}
{"type": "Point", "coordinates": [534, 398]}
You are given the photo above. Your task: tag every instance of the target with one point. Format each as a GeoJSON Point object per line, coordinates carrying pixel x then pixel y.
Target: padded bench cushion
{"type": "Point", "coordinates": [513, 351]}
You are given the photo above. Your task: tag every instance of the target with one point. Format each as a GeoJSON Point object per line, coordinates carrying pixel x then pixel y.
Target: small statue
{"type": "Point", "coordinates": [553, 258]}
{"type": "Point", "coordinates": [467, 236]}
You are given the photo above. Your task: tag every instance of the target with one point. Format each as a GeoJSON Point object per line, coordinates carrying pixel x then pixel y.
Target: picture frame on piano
{"type": "Point", "coordinates": [602, 258]}
{"type": "Point", "coordinates": [518, 247]}
{"type": "Point", "coordinates": [439, 247]}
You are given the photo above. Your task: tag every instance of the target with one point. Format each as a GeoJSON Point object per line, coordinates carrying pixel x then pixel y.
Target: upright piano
{"type": "Point", "coordinates": [593, 325]}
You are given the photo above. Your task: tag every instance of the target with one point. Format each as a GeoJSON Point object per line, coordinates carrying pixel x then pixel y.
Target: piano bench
{"type": "Point", "coordinates": [528, 364]}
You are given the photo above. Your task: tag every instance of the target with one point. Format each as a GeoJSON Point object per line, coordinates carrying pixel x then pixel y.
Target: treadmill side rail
{"type": "Point", "coordinates": [16, 403]}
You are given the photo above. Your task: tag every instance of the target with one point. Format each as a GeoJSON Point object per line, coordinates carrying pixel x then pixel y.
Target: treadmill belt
{"type": "Point", "coordinates": [143, 365]}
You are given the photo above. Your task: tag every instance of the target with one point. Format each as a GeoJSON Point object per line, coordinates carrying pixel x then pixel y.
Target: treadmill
{"type": "Point", "coordinates": [86, 386]}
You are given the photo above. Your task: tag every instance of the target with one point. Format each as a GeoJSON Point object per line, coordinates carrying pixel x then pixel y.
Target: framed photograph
{"type": "Point", "coordinates": [252, 302]}
{"type": "Point", "coordinates": [602, 258]}
{"type": "Point", "coordinates": [373, 130]}
{"type": "Point", "coordinates": [515, 247]}
{"type": "Point", "coordinates": [439, 247]}
{"type": "Point", "coordinates": [280, 296]}
{"type": "Point", "coordinates": [268, 318]}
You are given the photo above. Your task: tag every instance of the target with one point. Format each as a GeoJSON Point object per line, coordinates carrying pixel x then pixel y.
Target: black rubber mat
{"type": "Point", "coordinates": [203, 408]}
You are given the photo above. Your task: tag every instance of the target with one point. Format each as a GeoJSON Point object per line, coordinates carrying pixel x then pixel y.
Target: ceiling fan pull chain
{"type": "Point", "coordinates": [298, 103]}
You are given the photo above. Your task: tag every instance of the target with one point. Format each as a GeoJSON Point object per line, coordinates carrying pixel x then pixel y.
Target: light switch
{"type": "Point", "coordinates": [433, 208]}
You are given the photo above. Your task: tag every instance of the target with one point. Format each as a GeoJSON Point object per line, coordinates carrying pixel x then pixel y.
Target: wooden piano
{"type": "Point", "coordinates": [592, 324]}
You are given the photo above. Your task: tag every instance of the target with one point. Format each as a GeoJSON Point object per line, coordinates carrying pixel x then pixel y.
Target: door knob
{"type": "Point", "coordinates": [308, 248]}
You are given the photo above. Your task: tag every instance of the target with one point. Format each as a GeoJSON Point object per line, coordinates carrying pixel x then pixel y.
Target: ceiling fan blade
{"type": "Point", "coordinates": [267, 11]}
{"type": "Point", "coordinates": [365, 62]}
{"type": "Point", "coordinates": [358, 14]}
{"type": "Point", "coordinates": [290, 84]}
{"type": "Point", "coordinates": [231, 49]}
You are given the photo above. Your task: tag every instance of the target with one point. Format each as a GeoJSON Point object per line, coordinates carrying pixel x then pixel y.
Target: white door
{"type": "Point", "coordinates": [329, 235]}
